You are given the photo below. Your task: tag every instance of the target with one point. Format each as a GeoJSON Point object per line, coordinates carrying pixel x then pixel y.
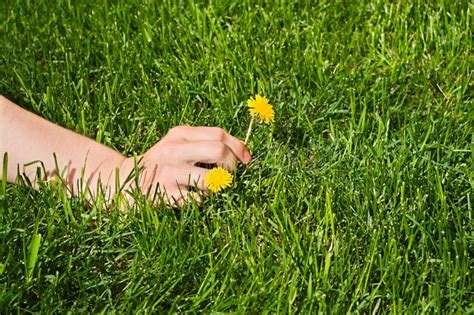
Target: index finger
{"type": "Point", "coordinates": [217, 134]}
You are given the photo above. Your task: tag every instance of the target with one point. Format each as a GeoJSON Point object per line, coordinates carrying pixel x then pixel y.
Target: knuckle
{"type": "Point", "coordinates": [172, 131]}
{"type": "Point", "coordinates": [219, 133]}
{"type": "Point", "coordinates": [176, 130]}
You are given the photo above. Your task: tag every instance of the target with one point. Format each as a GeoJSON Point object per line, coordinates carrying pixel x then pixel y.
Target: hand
{"type": "Point", "coordinates": [172, 165]}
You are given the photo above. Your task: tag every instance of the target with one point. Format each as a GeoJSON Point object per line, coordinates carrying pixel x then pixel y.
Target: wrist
{"type": "Point", "coordinates": [125, 175]}
{"type": "Point", "coordinates": [124, 171]}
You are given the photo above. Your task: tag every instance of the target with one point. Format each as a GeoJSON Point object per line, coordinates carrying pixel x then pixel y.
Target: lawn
{"type": "Point", "coordinates": [358, 198]}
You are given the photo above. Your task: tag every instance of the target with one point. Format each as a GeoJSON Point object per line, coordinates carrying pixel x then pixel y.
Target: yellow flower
{"type": "Point", "coordinates": [259, 107]}
{"type": "Point", "coordinates": [218, 179]}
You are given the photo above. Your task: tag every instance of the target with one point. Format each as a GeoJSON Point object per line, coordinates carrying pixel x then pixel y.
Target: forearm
{"type": "Point", "coordinates": [79, 160]}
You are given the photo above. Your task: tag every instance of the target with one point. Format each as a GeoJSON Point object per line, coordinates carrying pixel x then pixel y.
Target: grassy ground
{"type": "Point", "coordinates": [359, 198]}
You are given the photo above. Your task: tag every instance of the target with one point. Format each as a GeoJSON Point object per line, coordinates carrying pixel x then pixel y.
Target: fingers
{"type": "Point", "coordinates": [210, 152]}
{"type": "Point", "coordinates": [194, 134]}
{"type": "Point", "coordinates": [171, 166]}
{"type": "Point", "coordinates": [179, 194]}
{"type": "Point", "coordinates": [192, 176]}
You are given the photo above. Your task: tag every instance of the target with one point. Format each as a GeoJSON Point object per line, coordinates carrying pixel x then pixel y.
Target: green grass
{"type": "Point", "coordinates": [359, 198]}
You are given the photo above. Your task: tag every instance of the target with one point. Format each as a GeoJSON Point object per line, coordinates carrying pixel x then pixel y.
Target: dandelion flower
{"type": "Point", "coordinates": [260, 108]}
{"type": "Point", "coordinates": [218, 179]}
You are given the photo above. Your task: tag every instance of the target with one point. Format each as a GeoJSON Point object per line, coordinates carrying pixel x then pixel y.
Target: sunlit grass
{"type": "Point", "coordinates": [358, 197]}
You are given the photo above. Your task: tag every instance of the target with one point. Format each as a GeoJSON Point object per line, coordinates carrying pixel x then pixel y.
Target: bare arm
{"type": "Point", "coordinates": [27, 138]}
{"type": "Point", "coordinates": [170, 165]}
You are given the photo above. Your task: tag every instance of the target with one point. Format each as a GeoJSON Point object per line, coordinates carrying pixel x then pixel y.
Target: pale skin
{"type": "Point", "coordinates": [168, 168]}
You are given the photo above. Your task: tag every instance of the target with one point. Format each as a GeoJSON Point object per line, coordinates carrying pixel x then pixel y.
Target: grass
{"type": "Point", "coordinates": [359, 198]}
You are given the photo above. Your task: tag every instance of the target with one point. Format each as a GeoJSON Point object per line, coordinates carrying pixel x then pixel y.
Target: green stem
{"type": "Point", "coordinates": [249, 131]}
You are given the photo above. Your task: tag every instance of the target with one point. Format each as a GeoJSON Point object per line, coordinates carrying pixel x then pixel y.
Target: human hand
{"type": "Point", "coordinates": [172, 166]}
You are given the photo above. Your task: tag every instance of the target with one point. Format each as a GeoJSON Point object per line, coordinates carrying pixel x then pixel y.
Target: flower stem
{"type": "Point", "coordinates": [249, 131]}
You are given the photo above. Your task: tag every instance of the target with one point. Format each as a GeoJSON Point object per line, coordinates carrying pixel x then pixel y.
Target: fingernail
{"type": "Point", "coordinates": [247, 157]}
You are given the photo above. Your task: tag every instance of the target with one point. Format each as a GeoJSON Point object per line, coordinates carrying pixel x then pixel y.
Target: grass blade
{"type": "Point", "coordinates": [33, 255]}
{"type": "Point", "coordinates": [3, 195]}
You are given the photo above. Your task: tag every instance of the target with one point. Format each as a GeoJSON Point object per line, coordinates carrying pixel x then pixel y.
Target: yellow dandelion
{"type": "Point", "coordinates": [218, 179]}
{"type": "Point", "coordinates": [260, 108]}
